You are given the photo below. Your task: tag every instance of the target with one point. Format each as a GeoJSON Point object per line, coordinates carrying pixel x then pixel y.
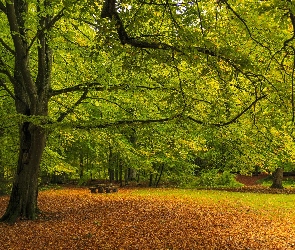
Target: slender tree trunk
{"type": "Point", "coordinates": [23, 198]}
{"type": "Point", "coordinates": [117, 174]}
{"type": "Point", "coordinates": [138, 177]}
{"type": "Point", "coordinates": [111, 175]}
{"type": "Point", "coordinates": [81, 164]}
{"type": "Point", "coordinates": [2, 175]}
{"type": "Point", "coordinates": [120, 174]}
{"type": "Point", "coordinates": [161, 172]}
{"type": "Point", "coordinates": [126, 176]}
{"type": "Point", "coordinates": [151, 180]}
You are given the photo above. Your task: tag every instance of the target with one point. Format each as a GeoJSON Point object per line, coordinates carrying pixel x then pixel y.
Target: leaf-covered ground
{"type": "Point", "coordinates": [154, 219]}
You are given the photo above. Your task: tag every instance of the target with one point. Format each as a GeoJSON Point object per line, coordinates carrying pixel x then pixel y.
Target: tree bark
{"type": "Point", "coordinates": [31, 95]}
{"type": "Point", "coordinates": [278, 178]}
{"type": "Point", "coordinates": [23, 198]}
{"type": "Point", "coordinates": [161, 168]}
{"type": "Point", "coordinates": [81, 165]}
{"type": "Point", "coordinates": [151, 180]}
{"type": "Point", "coordinates": [121, 173]}
{"type": "Point", "coordinates": [111, 174]}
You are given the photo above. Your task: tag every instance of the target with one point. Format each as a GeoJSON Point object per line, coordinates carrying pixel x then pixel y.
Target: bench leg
{"type": "Point", "coordinates": [93, 190]}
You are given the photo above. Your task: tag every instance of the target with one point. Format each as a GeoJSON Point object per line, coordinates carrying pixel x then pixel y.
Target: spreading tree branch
{"type": "Point", "coordinates": [113, 102]}
{"type": "Point", "coordinates": [292, 86]}
{"type": "Point", "coordinates": [98, 87]}
{"type": "Point", "coordinates": [6, 46]}
{"type": "Point", "coordinates": [160, 4]}
{"type": "Point", "coordinates": [5, 71]}
{"type": "Point", "coordinates": [286, 44]}
{"type": "Point", "coordinates": [3, 8]}
{"type": "Point", "coordinates": [162, 120]}
{"type": "Point", "coordinates": [244, 23]}
{"type": "Point", "coordinates": [109, 11]}
{"type": "Point", "coordinates": [16, 20]}
{"type": "Point", "coordinates": [200, 18]}
{"type": "Point", "coordinates": [108, 8]}
{"type": "Point", "coordinates": [76, 104]}
{"type": "Point", "coordinates": [4, 86]}
{"type": "Point", "coordinates": [82, 87]}
{"type": "Point", "coordinates": [230, 121]}
{"type": "Point", "coordinates": [48, 26]}
{"type": "Point", "coordinates": [126, 122]}
{"type": "Point", "coordinates": [292, 18]}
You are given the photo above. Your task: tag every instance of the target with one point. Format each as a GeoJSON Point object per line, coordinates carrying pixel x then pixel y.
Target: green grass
{"type": "Point", "coordinates": [265, 203]}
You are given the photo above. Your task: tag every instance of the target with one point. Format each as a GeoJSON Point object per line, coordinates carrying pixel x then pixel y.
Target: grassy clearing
{"type": "Point", "coordinates": [266, 203]}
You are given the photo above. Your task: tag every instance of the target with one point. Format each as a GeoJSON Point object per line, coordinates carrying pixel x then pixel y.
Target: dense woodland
{"type": "Point", "coordinates": [157, 92]}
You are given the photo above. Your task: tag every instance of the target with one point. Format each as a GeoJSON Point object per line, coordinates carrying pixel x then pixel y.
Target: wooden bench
{"type": "Point", "coordinates": [93, 189]}
{"type": "Point", "coordinates": [110, 189]}
{"type": "Point", "coordinates": [103, 188]}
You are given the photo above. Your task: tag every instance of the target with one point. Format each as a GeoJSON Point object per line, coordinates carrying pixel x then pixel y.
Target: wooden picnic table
{"type": "Point", "coordinates": [104, 188]}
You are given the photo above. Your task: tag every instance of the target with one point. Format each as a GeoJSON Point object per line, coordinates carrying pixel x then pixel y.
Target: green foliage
{"type": "Point", "coordinates": [54, 167]}
{"type": "Point", "coordinates": [85, 178]}
{"type": "Point", "coordinates": [8, 143]}
{"type": "Point", "coordinates": [228, 179]}
{"type": "Point", "coordinates": [5, 186]}
{"type": "Point", "coordinates": [49, 187]}
{"type": "Point", "coordinates": [213, 178]}
{"type": "Point", "coordinates": [201, 76]}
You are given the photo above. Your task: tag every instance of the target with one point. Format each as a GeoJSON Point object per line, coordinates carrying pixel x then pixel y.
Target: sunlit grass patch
{"type": "Point", "coordinates": [265, 202]}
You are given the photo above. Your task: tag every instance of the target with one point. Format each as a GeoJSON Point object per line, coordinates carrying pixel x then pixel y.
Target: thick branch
{"type": "Point", "coordinates": [6, 46]}
{"type": "Point", "coordinates": [16, 14]}
{"type": "Point", "coordinates": [2, 7]}
{"type": "Point", "coordinates": [82, 87]}
{"type": "Point", "coordinates": [109, 11]}
{"type": "Point", "coordinates": [3, 85]}
{"type": "Point", "coordinates": [292, 87]}
{"type": "Point", "coordinates": [245, 24]}
{"type": "Point", "coordinates": [115, 103]}
{"type": "Point", "coordinates": [98, 87]}
{"type": "Point", "coordinates": [160, 4]}
{"type": "Point", "coordinates": [292, 18]}
{"type": "Point", "coordinates": [48, 26]}
{"type": "Point", "coordinates": [44, 54]}
{"type": "Point", "coordinates": [230, 121]}
{"type": "Point", "coordinates": [69, 110]}
{"type": "Point", "coordinates": [126, 122]}
{"type": "Point", "coordinates": [4, 70]}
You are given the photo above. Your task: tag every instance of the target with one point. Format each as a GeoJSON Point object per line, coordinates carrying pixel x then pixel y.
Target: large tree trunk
{"type": "Point", "coordinates": [31, 95]}
{"type": "Point", "coordinates": [278, 178]}
{"type": "Point", "coordinates": [23, 198]}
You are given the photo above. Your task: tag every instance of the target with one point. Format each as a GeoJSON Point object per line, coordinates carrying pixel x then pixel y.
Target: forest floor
{"type": "Point", "coordinates": [74, 218]}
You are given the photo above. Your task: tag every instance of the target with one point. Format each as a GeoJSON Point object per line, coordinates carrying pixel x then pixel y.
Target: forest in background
{"type": "Point", "coordinates": [146, 91]}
